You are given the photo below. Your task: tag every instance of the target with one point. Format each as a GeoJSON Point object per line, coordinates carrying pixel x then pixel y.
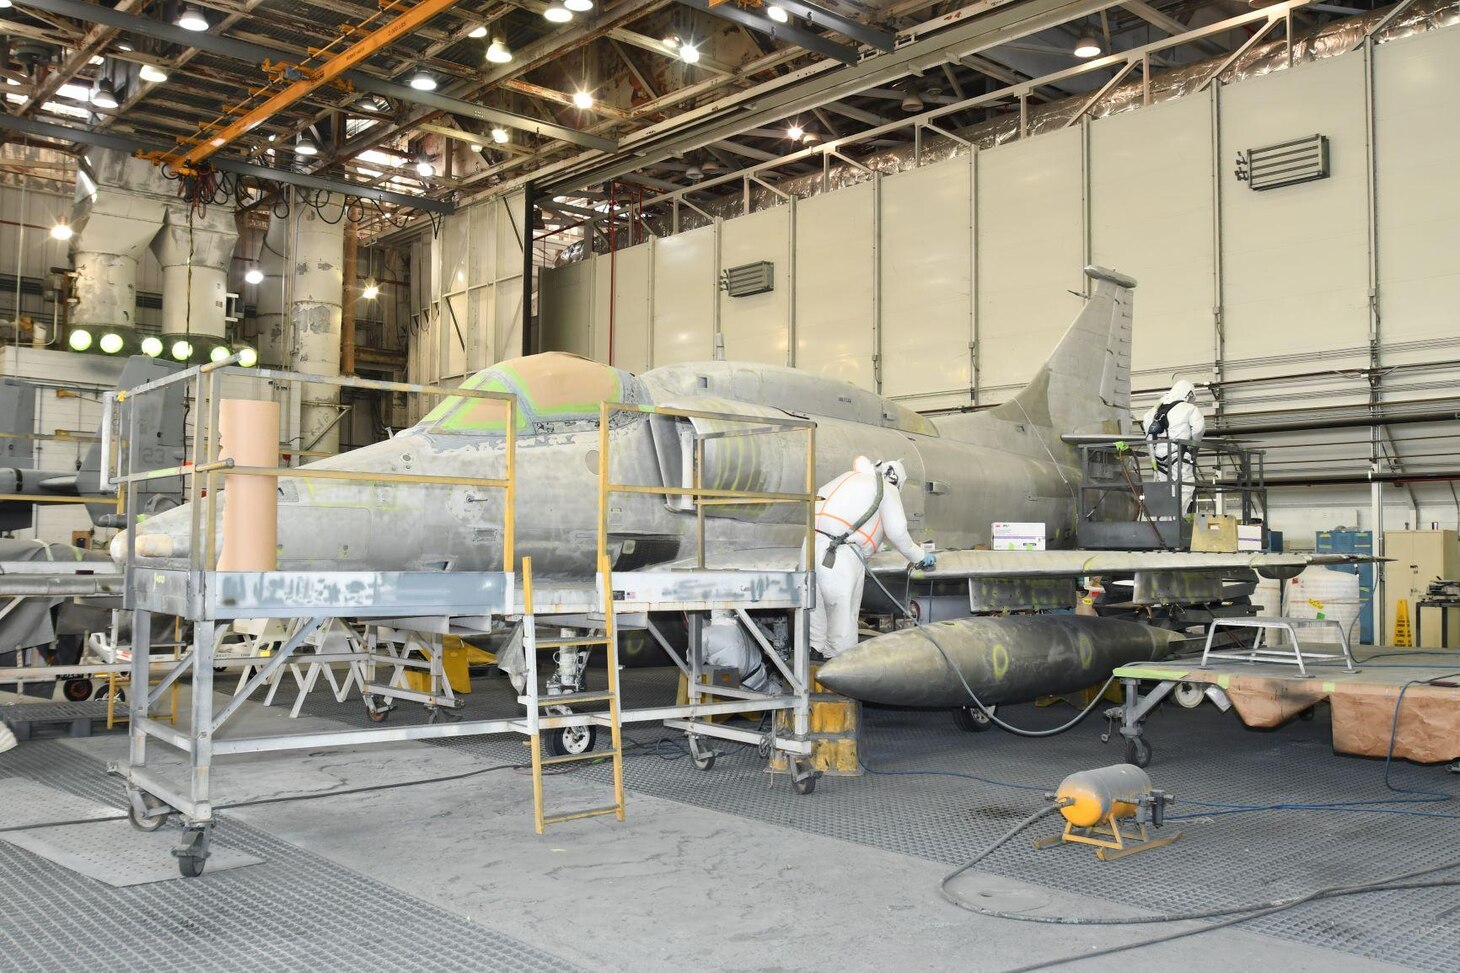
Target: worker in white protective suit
{"type": "Point", "coordinates": [1169, 423]}
{"type": "Point", "coordinates": [729, 645]}
{"type": "Point", "coordinates": [856, 512]}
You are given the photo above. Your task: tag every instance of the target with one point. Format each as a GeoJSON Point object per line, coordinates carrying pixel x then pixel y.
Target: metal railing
{"type": "Point", "coordinates": [208, 467]}
{"type": "Point", "coordinates": [701, 495]}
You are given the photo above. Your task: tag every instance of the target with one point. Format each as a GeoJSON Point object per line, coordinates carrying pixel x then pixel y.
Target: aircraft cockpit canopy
{"type": "Point", "coordinates": [555, 392]}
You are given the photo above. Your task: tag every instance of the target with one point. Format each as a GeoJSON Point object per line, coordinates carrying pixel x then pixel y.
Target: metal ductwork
{"type": "Point", "coordinates": [317, 261]}
{"type": "Point", "coordinates": [195, 249]}
{"type": "Point", "coordinates": [271, 295]}
{"type": "Point", "coordinates": [117, 213]}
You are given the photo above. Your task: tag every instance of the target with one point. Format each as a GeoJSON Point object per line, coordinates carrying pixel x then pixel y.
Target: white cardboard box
{"type": "Point", "coordinates": [1018, 537]}
{"type": "Point", "coordinates": [1249, 537]}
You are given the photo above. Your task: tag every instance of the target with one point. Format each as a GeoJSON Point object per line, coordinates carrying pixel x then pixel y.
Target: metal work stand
{"type": "Point", "coordinates": [1290, 654]}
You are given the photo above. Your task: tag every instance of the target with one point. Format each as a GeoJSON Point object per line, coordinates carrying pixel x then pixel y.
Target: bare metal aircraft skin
{"type": "Point", "coordinates": [965, 471]}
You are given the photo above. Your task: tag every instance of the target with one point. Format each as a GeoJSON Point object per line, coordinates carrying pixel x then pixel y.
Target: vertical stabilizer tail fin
{"type": "Point", "coordinates": [1084, 386]}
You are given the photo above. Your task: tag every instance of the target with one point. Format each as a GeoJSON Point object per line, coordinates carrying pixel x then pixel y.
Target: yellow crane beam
{"type": "Point", "coordinates": [315, 78]}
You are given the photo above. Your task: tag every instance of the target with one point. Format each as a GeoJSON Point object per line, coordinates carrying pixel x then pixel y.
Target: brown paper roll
{"type": "Point", "coordinates": [249, 435]}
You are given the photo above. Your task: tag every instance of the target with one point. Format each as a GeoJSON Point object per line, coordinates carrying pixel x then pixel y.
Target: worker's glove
{"type": "Point", "coordinates": [927, 563]}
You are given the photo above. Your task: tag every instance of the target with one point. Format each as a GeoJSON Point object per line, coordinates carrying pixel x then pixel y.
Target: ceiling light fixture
{"type": "Point", "coordinates": [557, 14]}
{"type": "Point", "coordinates": [61, 231]}
{"type": "Point", "coordinates": [306, 145]}
{"type": "Point", "coordinates": [1087, 46]}
{"type": "Point", "coordinates": [152, 73]}
{"type": "Point", "coordinates": [688, 53]}
{"type": "Point", "coordinates": [778, 14]}
{"type": "Point", "coordinates": [912, 102]}
{"type": "Point", "coordinates": [498, 52]}
{"type": "Point", "coordinates": [499, 135]}
{"type": "Point", "coordinates": [424, 168]}
{"type": "Point", "coordinates": [372, 289]}
{"type": "Point", "coordinates": [422, 81]}
{"type": "Point", "coordinates": [253, 276]}
{"type": "Point", "coordinates": [795, 132]}
{"type": "Point", "coordinates": [478, 147]}
{"type": "Point", "coordinates": [582, 100]}
{"type": "Point", "coordinates": [192, 19]}
{"type": "Point", "coordinates": [480, 30]}
{"type": "Point", "coordinates": [103, 95]}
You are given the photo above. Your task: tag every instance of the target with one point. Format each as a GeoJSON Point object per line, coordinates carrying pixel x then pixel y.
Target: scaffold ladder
{"type": "Point", "coordinates": [537, 702]}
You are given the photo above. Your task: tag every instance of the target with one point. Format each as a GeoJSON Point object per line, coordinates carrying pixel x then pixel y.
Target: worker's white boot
{"type": "Point", "coordinates": [7, 739]}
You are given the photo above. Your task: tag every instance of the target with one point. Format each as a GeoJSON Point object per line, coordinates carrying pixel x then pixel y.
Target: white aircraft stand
{"type": "Point", "coordinates": [430, 601]}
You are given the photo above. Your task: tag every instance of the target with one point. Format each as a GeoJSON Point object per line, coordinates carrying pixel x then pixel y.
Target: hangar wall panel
{"type": "Point", "coordinates": [567, 308]}
{"type": "Point", "coordinates": [1417, 128]}
{"type": "Point", "coordinates": [1031, 248]}
{"type": "Point", "coordinates": [834, 287]}
{"type": "Point", "coordinates": [925, 255]}
{"type": "Point", "coordinates": [757, 328]}
{"type": "Point", "coordinates": [631, 312]}
{"type": "Point", "coordinates": [1151, 216]}
{"type": "Point", "coordinates": [1295, 259]}
{"type": "Point", "coordinates": [684, 296]}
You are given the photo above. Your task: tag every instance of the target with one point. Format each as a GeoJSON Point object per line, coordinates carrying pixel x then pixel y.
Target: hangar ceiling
{"type": "Point", "coordinates": [610, 93]}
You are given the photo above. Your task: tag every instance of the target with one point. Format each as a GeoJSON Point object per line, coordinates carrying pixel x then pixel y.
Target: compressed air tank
{"type": "Point", "coordinates": [1103, 794]}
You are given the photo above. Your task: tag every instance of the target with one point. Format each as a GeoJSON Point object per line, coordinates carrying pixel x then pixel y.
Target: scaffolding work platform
{"type": "Point", "coordinates": [1407, 707]}
{"type": "Point", "coordinates": [587, 612]}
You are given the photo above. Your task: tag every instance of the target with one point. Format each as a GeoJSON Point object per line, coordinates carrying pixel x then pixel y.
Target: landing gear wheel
{"type": "Point", "coordinates": [572, 740]}
{"type": "Point", "coordinates": [971, 719]}
{"type": "Point", "coordinates": [1137, 751]}
{"type": "Point", "coordinates": [77, 690]}
{"type": "Point", "coordinates": [703, 759]}
{"type": "Point", "coordinates": [149, 822]}
{"type": "Point", "coordinates": [192, 854]}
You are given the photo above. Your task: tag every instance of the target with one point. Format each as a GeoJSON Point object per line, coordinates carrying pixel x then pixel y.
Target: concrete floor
{"type": "Point", "coordinates": [673, 885]}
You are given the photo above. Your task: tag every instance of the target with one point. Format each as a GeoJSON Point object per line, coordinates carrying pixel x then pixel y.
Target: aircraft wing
{"type": "Point", "coordinates": [954, 565]}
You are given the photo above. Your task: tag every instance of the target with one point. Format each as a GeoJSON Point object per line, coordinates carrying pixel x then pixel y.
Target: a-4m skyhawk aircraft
{"type": "Point", "coordinates": [965, 472]}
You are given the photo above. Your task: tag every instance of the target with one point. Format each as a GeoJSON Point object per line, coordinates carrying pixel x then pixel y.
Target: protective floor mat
{"type": "Point", "coordinates": [117, 854]}
{"type": "Point", "coordinates": [24, 803]}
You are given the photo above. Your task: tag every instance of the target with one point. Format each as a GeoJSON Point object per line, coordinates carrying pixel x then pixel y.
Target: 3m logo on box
{"type": "Point", "coordinates": [1018, 537]}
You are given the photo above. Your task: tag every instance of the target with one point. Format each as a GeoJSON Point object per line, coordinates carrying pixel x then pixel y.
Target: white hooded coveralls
{"type": "Point", "coordinates": [843, 502]}
{"type": "Point", "coordinates": [1184, 422]}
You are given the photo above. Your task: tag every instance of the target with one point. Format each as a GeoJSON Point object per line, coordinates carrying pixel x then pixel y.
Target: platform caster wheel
{"type": "Point", "coordinates": [192, 855]}
{"type": "Point", "coordinates": [378, 712]}
{"type": "Point", "coordinates": [703, 759]}
{"type": "Point", "coordinates": [149, 822]}
{"type": "Point", "coordinates": [1189, 695]}
{"type": "Point", "coordinates": [77, 690]}
{"type": "Point", "coordinates": [572, 740]}
{"type": "Point", "coordinates": [971, 719]}
{"type": "Point", "coordinates": [1307, 715]}
{"type": "Point", "coordinates": [1137, 751]}
{"type": "Point", "coordinates": [803, 778]}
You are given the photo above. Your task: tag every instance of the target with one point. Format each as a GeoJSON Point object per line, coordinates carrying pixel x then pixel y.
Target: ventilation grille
{"type": "Point", "coordinates": [1284, 164]}
{"type": "Point", "coordinates": [748, 279]}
